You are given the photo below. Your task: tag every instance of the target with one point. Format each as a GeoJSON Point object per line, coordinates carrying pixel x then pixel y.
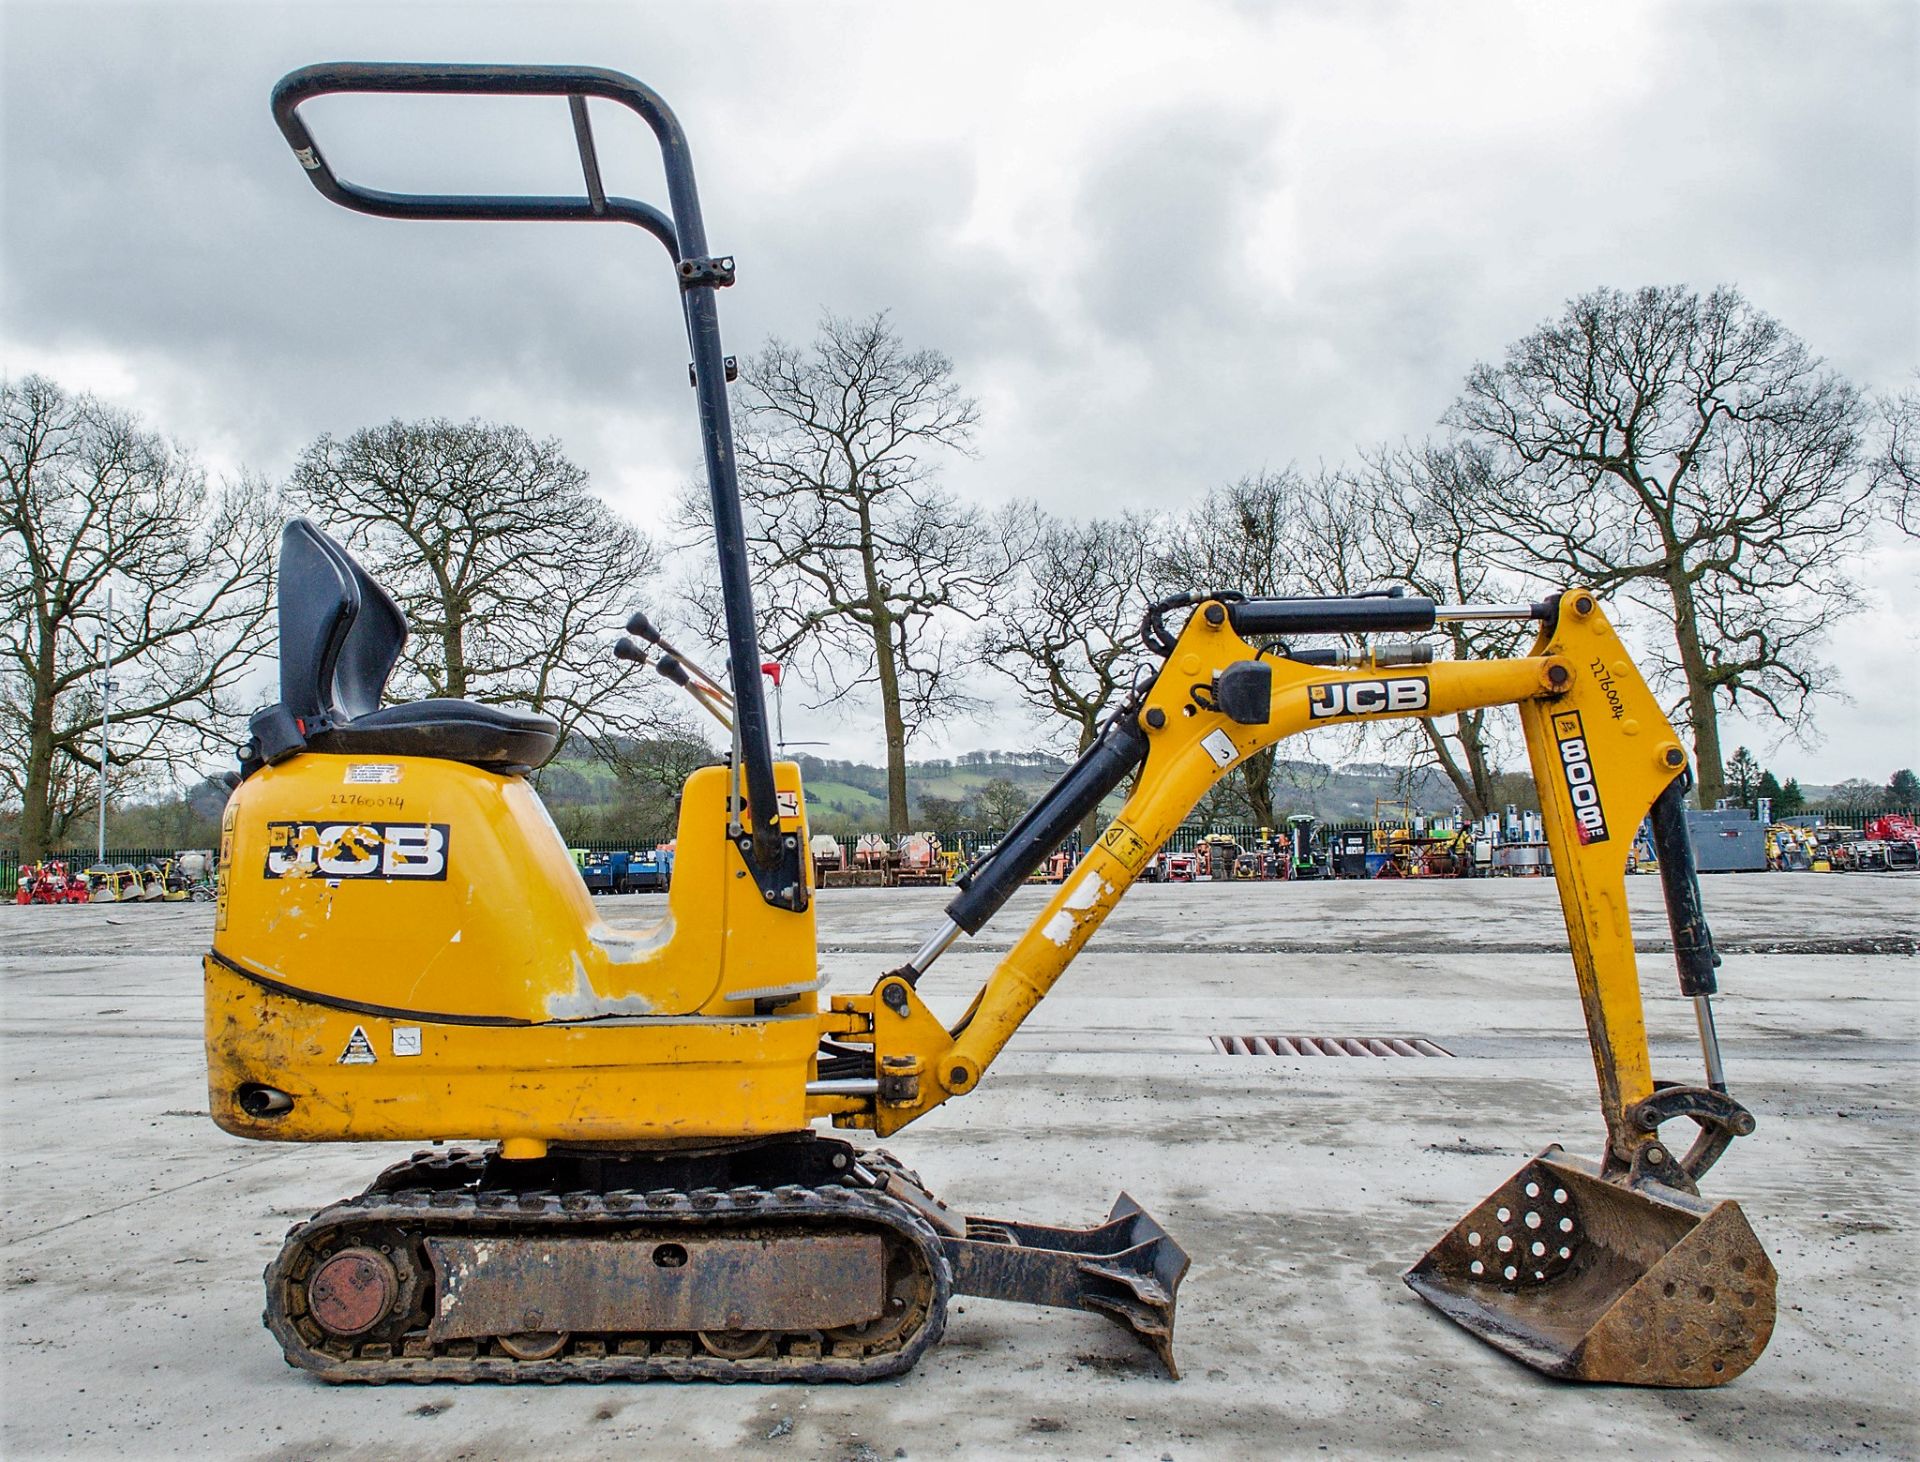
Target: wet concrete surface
{"type": "Point", "coordinates": [133, 1233]}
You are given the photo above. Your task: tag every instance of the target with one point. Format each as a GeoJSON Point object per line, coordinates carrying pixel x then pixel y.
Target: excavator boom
{"type": "Point", "coordinates": [1547, 1280]}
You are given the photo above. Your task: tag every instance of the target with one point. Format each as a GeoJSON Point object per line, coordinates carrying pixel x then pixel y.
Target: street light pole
{"type": "Point", "coordinates": [105, 643]}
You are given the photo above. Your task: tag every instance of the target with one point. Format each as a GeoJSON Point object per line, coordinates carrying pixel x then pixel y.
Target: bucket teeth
{"type": "Point", "coordinates": [1590, 1279]}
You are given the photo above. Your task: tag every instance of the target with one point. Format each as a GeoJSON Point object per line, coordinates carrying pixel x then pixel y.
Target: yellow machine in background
{"type": "Point", "coordinates": [404, 949]}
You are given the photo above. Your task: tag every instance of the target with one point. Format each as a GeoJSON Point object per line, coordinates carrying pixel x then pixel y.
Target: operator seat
{"type": "Point", "coordinates": [340, 635]}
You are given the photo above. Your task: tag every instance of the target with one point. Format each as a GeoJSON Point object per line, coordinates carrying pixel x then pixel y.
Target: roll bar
{"type": "Point", "coordinates": [684, 236]}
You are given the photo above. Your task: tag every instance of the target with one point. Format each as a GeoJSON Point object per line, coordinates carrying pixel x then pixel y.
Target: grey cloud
{"type": "Point", "coordinates": [1133, 350]}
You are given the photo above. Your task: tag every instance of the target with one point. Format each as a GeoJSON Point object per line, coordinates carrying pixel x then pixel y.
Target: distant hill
{"type": "Point", "coordinates": [857, 791]}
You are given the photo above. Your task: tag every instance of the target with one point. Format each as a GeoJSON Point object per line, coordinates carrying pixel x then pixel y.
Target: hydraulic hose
{"type": "Point", "coordinates": [1045, 825]}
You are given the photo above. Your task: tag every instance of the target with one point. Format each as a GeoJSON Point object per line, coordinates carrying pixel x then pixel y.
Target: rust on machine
{"type": "Point", "coordinates": [494, 1286]}
{"type": "Point", "coordinates": [1590, 1278]}
{"type": "Point", "coordinates": [352, 1291]}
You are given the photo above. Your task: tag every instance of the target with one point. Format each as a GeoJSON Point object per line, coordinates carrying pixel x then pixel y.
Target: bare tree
{"type": "Point", "coordinates": [1897, 469]}
{"type": "Point", "coordinates": [93, 500]}
{"type": "Point", "coordinates": [1068, 637]}
{"type": "Point", "coordinates": [868, 569]}
{"type": "Point", "coordinates": [1414, 507]}
{"type": "Point", "coordinates": [1248, 537]}
{"type": "Point", "coordinates": [511, 572]}
{"type": "Point", "coordinates": [1003, 802]}
{"type": "Point", "coordinates": [1686, 450]}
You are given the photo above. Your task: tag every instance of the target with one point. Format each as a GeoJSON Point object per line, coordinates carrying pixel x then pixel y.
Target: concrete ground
{"type": "Point", "coordinates": [134, 1233]}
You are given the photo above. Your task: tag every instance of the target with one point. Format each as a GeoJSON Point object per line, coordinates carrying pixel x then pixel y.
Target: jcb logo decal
{"type": "Point", "coordinates": [1576, 765]}
{"type": "Point", "coordinates": [357, 850]}
{"type": "Point", "coordinates": [1367, 697]}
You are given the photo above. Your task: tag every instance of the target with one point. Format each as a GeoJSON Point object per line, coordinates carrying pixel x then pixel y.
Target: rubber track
{"type": "Point", "coordinates": [437, 1208]}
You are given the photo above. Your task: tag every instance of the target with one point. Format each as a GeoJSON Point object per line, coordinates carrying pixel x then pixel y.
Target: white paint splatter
{"type": "Point", "coordinates": [1078, 903]}
{"type": "Point", "coordinates": [624, 946]}
{"type": "Point", "coordinates": [582, 1002]}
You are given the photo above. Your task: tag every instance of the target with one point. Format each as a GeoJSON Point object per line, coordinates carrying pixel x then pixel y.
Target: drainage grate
{"type": "Point", "coordinates": [1326, 1046]}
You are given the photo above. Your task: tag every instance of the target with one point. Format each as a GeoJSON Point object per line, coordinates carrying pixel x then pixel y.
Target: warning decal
{"type": "Point", "coordinates": [359, 1050]}
{"type": "Point", "coordinates": [1126, 845]}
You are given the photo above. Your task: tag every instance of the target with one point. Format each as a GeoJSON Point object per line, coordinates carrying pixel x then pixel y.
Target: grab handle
{"type": "Point", "coordinates": [773, 851]}
{"type": "Point", "coordinates": [682, 233]}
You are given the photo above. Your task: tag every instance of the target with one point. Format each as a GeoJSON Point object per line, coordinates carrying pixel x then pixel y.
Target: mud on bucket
{"type": "Point", "coordinates": [1590, 1280]}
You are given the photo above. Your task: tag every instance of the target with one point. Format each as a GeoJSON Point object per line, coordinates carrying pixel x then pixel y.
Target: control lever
{"type": "Point", "coordinates": [640, 625]}
{"type": "Point", "coordinates": [673, 669]}
{"type": "Point", "coordinates": [628, 648]}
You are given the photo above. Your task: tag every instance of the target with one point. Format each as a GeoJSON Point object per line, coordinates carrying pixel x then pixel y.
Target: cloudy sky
{"type": "Point", "coordinates": [1166, 245]}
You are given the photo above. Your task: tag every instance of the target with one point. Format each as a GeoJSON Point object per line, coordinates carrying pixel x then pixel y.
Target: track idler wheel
{"type": "Point", "coordinates": [352, 1291]}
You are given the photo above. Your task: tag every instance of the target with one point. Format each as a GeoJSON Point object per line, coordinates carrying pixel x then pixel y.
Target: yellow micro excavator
{"type": "Point", "coordinates": [404, 950]}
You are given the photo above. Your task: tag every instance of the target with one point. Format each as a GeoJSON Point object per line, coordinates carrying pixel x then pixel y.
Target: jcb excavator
{"type": "Point", "coordinates": [404, 950]}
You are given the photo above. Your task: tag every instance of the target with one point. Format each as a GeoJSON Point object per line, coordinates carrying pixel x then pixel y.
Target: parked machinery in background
{"type": "Point", "coordinates": [1214, 857]}
{"type": "Point", "coordinates": [1900, 836]}
{"type": "Point", "coordinates": [1856, 852]}
{"type": "Point", "coordinates": [602, 872]}
{"type": "Point", "coordinates": [109, 883]}
{"type": "Point", "coordinates": [1520, 845]}
{"type": "Point", "coordinates": [645, 871]}
{"type": "Point", "coordinates": [920, 862]}
{"type": "Point", "coordinates": [651, 870]}
{"type": "Point", "coordinates": [828, 857]}
{"type": "Point", "coordinates": [1791, 849]}
{"type": "Point", "coordinates": [50, 882]}
{"type": "Point", "coordinates": [1347, 853]}
{"type": "Point", "coordinates": [1641, 857]}
{"type": "Point", "coordinates": [194, 873]}
{"type": "Point", "coordinates": [1302, 859]}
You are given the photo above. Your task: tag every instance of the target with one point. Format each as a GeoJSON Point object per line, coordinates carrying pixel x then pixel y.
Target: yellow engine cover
{"type": "Point", "coordinates": [406, 948]}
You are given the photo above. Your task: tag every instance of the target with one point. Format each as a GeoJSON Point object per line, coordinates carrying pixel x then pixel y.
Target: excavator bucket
{"type": "Point", "coordinates": [1588, 1279]}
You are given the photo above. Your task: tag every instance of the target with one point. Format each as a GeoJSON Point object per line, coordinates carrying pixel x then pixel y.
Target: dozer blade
{"type": "Point", "coordinates": [1127, 1269]}
{"type": "Point", "coordinates": [1591, 1280]}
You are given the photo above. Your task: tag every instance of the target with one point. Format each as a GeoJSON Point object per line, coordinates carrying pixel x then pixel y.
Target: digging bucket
{"type": "Point", "coordinates": [1586, 1278]}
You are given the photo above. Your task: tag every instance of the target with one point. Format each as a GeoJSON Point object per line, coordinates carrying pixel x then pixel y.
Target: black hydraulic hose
{"type": "Point", "coordinates": [1046, 824]}
{"type": "Point", "coordinates": [1680, 882]}
{"type": "Point", "coordinates": [1359, 615]}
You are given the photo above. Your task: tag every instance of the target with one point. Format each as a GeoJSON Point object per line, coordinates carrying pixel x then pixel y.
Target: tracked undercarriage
{"type": "Point", "coordinates": [799, 1259]}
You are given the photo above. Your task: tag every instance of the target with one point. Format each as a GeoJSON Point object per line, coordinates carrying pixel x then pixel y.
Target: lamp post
{"type": "Point", "coordinates": [104, 644]}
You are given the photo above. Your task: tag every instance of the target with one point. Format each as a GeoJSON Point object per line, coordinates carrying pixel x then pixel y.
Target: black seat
{"type": "Point", "coordinates": [340, 636]}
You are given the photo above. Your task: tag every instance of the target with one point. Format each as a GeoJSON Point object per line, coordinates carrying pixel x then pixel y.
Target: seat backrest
{"type": "Point", "coordinates": [340, 632]}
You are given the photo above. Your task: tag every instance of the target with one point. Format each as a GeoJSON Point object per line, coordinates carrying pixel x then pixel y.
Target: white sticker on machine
{"type": "Point", "coordinates": [359, 1050]}
{"type": "Point", "coordinates": [406, 1040]}
{"type": "Point", "coordinates": [788, 804]}
{"type": "Point", "coordinates": [1220, 747]}
{"type": "Point", "coordinates": [372, 773]}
